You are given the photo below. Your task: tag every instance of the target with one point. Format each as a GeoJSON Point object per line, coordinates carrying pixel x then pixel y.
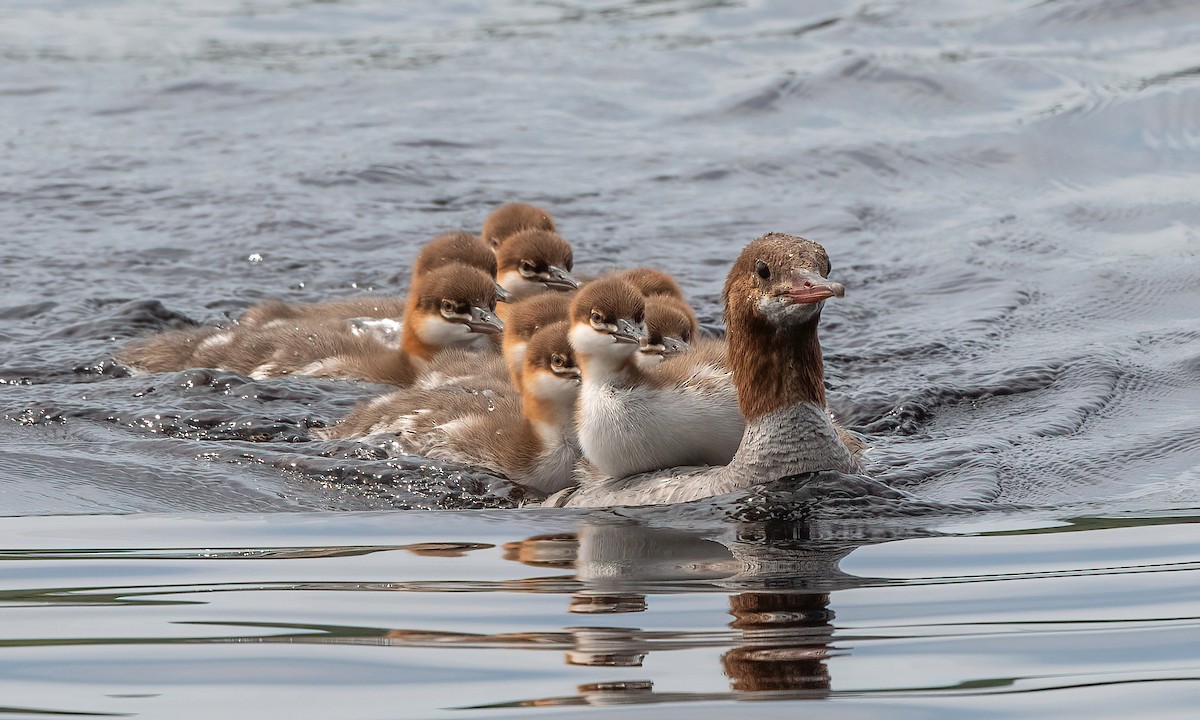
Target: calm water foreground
{"type": "Point", "coordinates": [396, 614]}
{"type": "Point", "coordinates": [1007, 189]}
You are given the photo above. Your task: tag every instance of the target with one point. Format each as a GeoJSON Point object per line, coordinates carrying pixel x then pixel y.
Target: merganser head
{"type": "Point", "coordinates": [508, 220]}
{"type": "Point", "coordinates": [550, 370]}
{"type": "Point", "coordinates": [652, 282]}
{"type": "Point", "coordinates": [670, 327]}
{"type": "Point", "coordinates": [608, 320]}
{"type": "Point", "coordinates": [524, 319]}
{"type": "Point", "coordinates": [458, 247]}
{"type": "Point", "coordinates": [534, 261]}
{"type": "Point", "coordinates": [773, 298]}
{"type": "Point", "coordinates": [451, 306]}
{"type": "Point", "coordinates": [782, 279]}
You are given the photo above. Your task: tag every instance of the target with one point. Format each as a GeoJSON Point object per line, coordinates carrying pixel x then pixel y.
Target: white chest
{"type": "Point", "coordinates": [626, 431]}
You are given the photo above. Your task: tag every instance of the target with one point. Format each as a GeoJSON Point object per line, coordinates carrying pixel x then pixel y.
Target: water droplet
{"type": "Point", "coordinates": [255, 258]}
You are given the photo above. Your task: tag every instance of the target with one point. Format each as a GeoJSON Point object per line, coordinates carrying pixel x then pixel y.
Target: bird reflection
{"type": "Point", "coordinates": [781, 636]}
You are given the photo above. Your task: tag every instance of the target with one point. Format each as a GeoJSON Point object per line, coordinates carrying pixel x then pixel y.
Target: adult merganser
{"type": "Point", "coordinates": [524, 319]}
{"type": "Point", "coordinates": [534, 261]}
{"type": "Point", "coordinates": [528, 438]}
{"type": "Point", "coordinates": [448, 307]}
{"type": "Point", "coordinates": [684, 411]}
{"type": "Point", "coordinates": [446, 249]}
{"type": "Point", "coordinates": [773, 298]}
{"type": "Point", "coordinates": [510, 219]}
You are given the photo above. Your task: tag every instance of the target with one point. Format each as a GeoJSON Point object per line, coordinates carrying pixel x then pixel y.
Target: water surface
{"type": "Point", "coordinates": [1007, 190]}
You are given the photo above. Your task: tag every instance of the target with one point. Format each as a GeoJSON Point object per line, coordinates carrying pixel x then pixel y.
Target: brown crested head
{"type": "Point", "coordinates": [507, 220]}
{"type": "Point", "coordinates": [531, 314]}
{"type": "Point", "coordinates": [773, 298]}
{"type": "Point", "coordinates": [550, 351]}
{"type": "Point", "coordinates": [607, 301]}
{"type": "Point", "coordinates": [782, 278]}
{"type": "Point", "coordinates": [455, 247]}
{"type": "Point", "coordinates": [652, 282]}
{"type": "Point", "coordinates": [458, 294]}
{"type": "Point", "coordinates": [669, 317]}
{"type": "Point", "coordinates": [535, 258]}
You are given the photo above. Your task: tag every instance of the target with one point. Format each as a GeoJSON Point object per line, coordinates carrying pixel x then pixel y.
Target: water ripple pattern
{"type": "Point", "coordinates": [1005, 188]}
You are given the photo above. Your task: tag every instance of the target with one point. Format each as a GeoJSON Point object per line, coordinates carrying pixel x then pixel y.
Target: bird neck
{"type": "Point", "coordinates": [775, 368]}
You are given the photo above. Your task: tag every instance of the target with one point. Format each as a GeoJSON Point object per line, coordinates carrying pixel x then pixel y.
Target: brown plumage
{"type": "Point", "coordinates": [507, 220]}
{"type": "Point", "coordinates": [172, 350]}
{"type": "Point", "coordinates": [534, 261]}
{"type": "Point", "coordinates": [670, 328]}
{"type": "Point", "coordinates": [440, 311]}
{"type": "Point", "coordinates": [611, 298]}
{"type": "Point", "coordinates": [652, 282]}
{"type": "Point", "coordinates": [525, 438]}
{"type": "Point", "coordinates": [773, 298]}
{"type": "Point", "coordinates": [631, 419]}
{"type": "Point", "coordinates": [445, 249]}
{"type": "Point", "coordinates": [524, 319]}
{"type": "Point", "coordinates": [377, 307]}
{"type": "Point", "coordinates": [775, 365]}
{"type": "Point", "coordinates": [455, 247]}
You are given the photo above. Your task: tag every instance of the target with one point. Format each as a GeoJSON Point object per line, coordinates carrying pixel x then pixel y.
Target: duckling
{"type": "Point", "coordinates": [534, 261]}
{"type": "Point", "coordinates": [652, 282]}
{"type": "Point", "coordinates": [463, 248]}
{"type": "Point", "coordinates": [773, 298]}
{"type": "Point", "coordinates": [448, 307]}
{"type": "Point", "coordinates": [683, 411]}
{"type": "Point", "coordinates": [448, 248]}
{"type": "Point", "coordinates": [527, 438]}
{"type": "Point", "coordinates": [670, 327]}
{"type": "Point", "coordinates": [523, 320]}
{"type": "Point", "coordinates": [508, 220]}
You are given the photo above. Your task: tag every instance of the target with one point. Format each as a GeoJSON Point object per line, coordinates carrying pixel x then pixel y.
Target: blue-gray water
{"type": "Point", "coordinates": [1007, 190]}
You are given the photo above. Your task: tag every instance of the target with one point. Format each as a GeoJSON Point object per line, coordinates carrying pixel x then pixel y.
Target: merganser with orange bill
{"type": "Point", "coordinates": [773, 299]}
{"type": "Point", "coordinates": [527, 438]}
{"type": "Point", "coordinates": [448, 307]}
{"type": "Point", "coordinates": [683, 411]}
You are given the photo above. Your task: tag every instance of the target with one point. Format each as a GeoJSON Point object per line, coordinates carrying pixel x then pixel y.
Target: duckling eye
{"type": "Point", "coordinates": [556, 360]}
{"type": "Point", "coordinates": [527, 268]}
{"type": "Point", "coordinates": [686, 337]}
{"type": "Point", "coordinates": [638, 317]}
{"type": "Point", "coordinates": [597, 318]}
{"type": "Point", "coordinates": [762, 270]}
{"type": "Point", "coordinates": [449, 306]}
{"type": "Point", "coordinates": [570, 264]}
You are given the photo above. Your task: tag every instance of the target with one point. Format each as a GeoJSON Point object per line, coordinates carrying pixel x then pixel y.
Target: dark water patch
{"type": "Point", "coordinates": [125, 318]}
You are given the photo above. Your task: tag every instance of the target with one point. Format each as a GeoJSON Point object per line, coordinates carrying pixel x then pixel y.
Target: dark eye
{"type": "Point", "coordinates": [597, 317]}
{"type": "Point", "coordinates": [448, 306]}
{"type": "Point", "coordinates": [527, 267]}
{"type": "Point", "coordinates": [570, 264]}
{"type": "Point", "coordinates": [686, 337]}
{"type": "Point", "coordinates": [556, 360]}
{"type": "Point", "coordinates": [763, 271]}
{"type": "Point", "coordinates": [638, 317]}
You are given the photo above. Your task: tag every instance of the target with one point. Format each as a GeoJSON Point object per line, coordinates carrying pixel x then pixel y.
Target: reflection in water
{"type": "Point", "coordinates": [780, 637]}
